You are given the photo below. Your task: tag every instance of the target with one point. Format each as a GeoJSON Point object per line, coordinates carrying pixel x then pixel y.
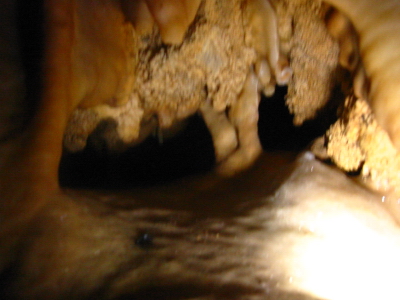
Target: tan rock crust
{"type": "Point", "coordinates": [312, 54]}
{"type": "Point", "coordinates": [208, 72]}
{"type": "Point", "coordinates": [357, 143]}
{"type": "Point", "coordinates": [173, 80]}
{"type": "Point", "coordinates": [211, 66]}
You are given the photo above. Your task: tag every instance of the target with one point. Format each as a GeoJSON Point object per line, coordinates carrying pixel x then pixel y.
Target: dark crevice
{"type": "Point", "coordinates": [190, 152]}
{"type": "Point", "coordinates": [30, 20]}
{"type": "Point", "coordinates": [149, 163]}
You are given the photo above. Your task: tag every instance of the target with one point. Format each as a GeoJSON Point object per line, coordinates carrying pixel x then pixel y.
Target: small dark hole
{"type": "Point", "coordinates": [144, 240]}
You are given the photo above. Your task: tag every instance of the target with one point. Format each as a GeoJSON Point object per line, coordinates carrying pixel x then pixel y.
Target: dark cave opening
{"type": "Point", "coordinates": [151, 162]}
{"type": "Point", "coordinates": [189, 152]}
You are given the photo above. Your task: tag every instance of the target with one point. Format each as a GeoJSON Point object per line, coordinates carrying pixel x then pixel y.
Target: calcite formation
{"type": "Point", "coordinates": [219, 69]}
{"type": "Point", "coordinates": [356, 143]}
{"type": "Point", "coordinates": [299, 230]}
{"type": "Point", "coordinates": [173, 81]}
{"type": "Point", "coordinates": [231, 51]}
{"type": "Point", "coordinates": [313, 55]}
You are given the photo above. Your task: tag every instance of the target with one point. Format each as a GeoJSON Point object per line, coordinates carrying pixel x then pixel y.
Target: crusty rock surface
{"type": "Point", "coordinates": [356, 143]}
{"type": "Point", "coordinates": [313, 56]}
{"type": "Point", "coordinates": [212, 64]}
{"type": "Point", "coordinates": [210, 68]}
{"type": "Point", "coordinates": [173, 80]}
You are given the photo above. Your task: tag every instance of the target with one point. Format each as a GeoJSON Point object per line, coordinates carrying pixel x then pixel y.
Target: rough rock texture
{"type": "Point", "coordinates": [211, 65]}
{"type": "Point", "coordinates": [312, 54]}
{"type": "Point", "coordinates": [356, 143]}
{"type": "Point", "coordinates": [173, 80]}
{"type": "Point", "coordinates": [220, 61]}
